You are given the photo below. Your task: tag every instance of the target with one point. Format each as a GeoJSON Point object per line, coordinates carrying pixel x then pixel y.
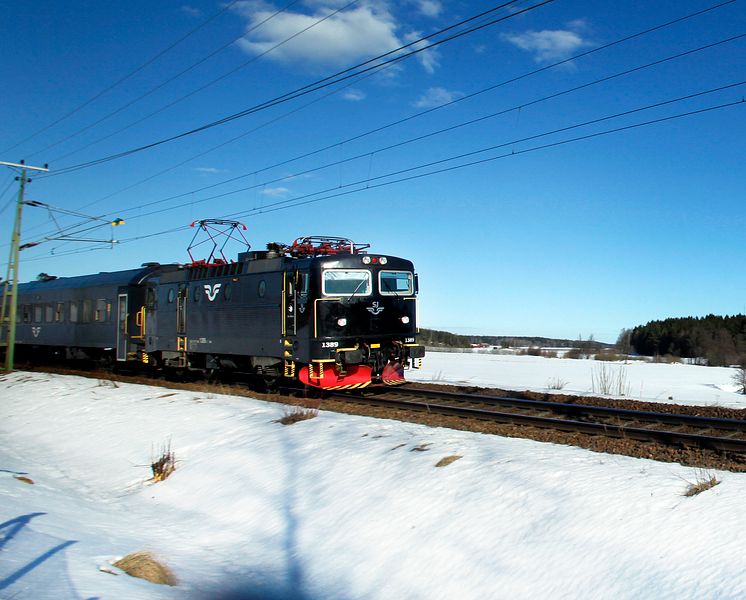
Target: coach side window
{"type": "Point", "coordinates": [101, 312]}
{"type": "Point", "coordinates": [48, 313]}
{"type": "Point", "coordinates": [37, 313]}
{"type": "Point", "coordinates": [73, 311]}
{"type": "Point", "coordinates": [59, 312]}
{"type": "Point", "coordinates": [26, 313]}
{"type": "Point", "coordinates": [86, 313]}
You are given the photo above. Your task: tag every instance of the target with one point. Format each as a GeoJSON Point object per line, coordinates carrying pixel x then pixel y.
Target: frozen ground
{"type": "Point", "coordinates": [349, 507]}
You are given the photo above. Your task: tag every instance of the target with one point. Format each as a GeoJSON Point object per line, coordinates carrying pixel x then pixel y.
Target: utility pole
{"type": "Point", "coordinates": [10, 285]}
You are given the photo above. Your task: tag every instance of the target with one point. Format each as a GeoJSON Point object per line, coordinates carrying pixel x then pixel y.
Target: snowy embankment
{"type": "Point", "coordinates": [341, 506]}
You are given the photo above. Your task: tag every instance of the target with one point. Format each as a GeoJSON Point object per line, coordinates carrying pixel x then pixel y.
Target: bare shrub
{"type": "Point", "coordinates": [606, 381]}
{"type": "Point", "coordinates": [144, 566]}
{"type": "Point", "coordinates": [573, 353]}
{"type": "Point", "coordinates": [447, 460]}
{"type": "Point", "coordinates": [556, 383]}
{"type": "Point", "coordinates": [739, 378]}
{"type": "Point", "coordinates": [549, 353]}
{"type": "Point", "coordinates": [610, 356]}
{"type": "Point", "coordinates": [704, 481]}
{"type": "Point", "coordinates": [668, 359]}
{"type": "Point", "coordinates": [165, 464]}
{"type": "Point", "coordinates": [298, 413]}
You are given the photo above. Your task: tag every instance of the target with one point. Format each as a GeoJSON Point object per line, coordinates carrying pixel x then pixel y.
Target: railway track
{"type": "Point", "coordinates": [720, 435]}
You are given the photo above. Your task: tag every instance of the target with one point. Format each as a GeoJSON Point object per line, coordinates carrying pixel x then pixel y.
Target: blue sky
{"type": "Point", "coordinates": [547, 235]}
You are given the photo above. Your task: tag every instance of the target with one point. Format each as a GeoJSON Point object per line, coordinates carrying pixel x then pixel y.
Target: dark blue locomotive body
{"type": "Point", "coordinates": [336, 319]}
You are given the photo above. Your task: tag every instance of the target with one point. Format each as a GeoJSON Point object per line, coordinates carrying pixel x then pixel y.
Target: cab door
{"type": "Point", "coordinates": [289, 303]}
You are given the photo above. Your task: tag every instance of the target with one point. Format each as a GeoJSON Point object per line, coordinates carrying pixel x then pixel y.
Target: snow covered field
{"type": "Point", "coordinates": [673, 383]}
{"type": "Point", "coordinates": [352, 507]}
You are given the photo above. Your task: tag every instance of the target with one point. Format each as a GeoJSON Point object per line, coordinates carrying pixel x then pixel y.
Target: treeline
{"type": "Point", "coordinates": [446, 339]}
{"type": "Point", "coordinates": [718, 340]}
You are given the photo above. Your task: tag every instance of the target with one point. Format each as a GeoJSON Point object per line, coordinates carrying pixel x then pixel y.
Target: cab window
{"type": "Point", "coordinates": [346, 282]}
{"type": "Point", "coordinates": [395, 283]}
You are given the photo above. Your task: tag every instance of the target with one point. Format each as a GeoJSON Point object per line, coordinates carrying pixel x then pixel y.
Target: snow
{"type": "Point", "coordinates": [347, 507]}
{"type": "Point", "coordinates": [654, 382]}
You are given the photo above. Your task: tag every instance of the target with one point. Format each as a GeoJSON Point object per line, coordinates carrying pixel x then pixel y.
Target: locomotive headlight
{"type": "Point", "coordinates": [342, 322]}
{"type": "Point", "coordinates": [383, 260]}
{"type": "Point", "coordinates": [405, 320]}
{"type": "Point", "coordinates": [366, 260]}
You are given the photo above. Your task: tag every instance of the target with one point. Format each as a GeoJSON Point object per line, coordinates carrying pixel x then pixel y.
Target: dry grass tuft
{"type": "Point", "coordinates": [24, 479]}
{"type": "Point", "coordinates": [144, 566]}
{"type": "Point", "coordinates": [704, 482]}
{"type": "Point", "coordinates": [298, 413]}
{"type": "Point", "coordinates": [164, 465]}
{"type": "Point", "coordinates": [447, 460]}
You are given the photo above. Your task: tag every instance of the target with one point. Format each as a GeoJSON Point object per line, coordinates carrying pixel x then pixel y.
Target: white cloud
{"type": "Point", "coordinates": [209, 170]}
{"type": "Point", "coordinates": [191, 11]}
{"type": "Point", "coordinates": [345, 37]}
{"type": "Point", "coordinates": [354, 95]}
{"type": "Point", "coordinates": [342, 39]}
{"type": "Point", "coordinates": [428, 58]}
{"type": "Point", "coordinates": [274, 192]}
{"type": "Point", "coordinates": [430, 8]}
{"type": "Point", "coordinates": [437, 96]}
{"type": "Point", "coordinates": [550, 45]}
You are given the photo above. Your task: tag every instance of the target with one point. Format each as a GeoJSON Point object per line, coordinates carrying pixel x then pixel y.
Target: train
{"type": "Point", "coordinates": [323, 312]}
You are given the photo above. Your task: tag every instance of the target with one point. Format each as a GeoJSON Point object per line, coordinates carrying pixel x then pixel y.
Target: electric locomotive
{"type": "Point", "coordinates": [322, 311]}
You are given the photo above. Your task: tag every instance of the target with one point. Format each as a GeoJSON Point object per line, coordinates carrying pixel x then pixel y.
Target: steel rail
{"type": "Point", "coordinates": [669, 437]}
{"type": "Point", "coordinates": [586, 410]}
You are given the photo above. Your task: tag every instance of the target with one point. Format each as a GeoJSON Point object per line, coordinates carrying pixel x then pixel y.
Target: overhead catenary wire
{"type": "Point", "coordinates": [124, 78]}
{"type": "Point", "coordinates": [420, 113]}
{"type": "Point", "coordinates": [375, 182]}
{"type": "Point", "coordinates": [280, 205]}
{"type": "Point", "coordinates": [491, 148]}
{"type": "Point", "coordinates": [439, 131]}
{"type": "Point", "coordinates": [2, 195]}
{"type": "Point", "coordinates": [657, 27]}
{"type": "Point", "coordinates": [411, 140]}
{"type": "Point", "coordinates": [313, 87]}
{"type": "Point", "coordinates": [184, 71]}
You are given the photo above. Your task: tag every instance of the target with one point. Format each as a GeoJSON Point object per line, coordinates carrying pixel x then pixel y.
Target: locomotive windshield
{"type": "Point", "coordinates": [346, 282]}
{"type": "Point", "coordinates": [397, 283]}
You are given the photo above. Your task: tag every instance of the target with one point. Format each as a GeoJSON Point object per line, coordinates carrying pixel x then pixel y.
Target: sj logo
{"type": "Point", "coordinates": [36, 331]}
{"type": "Point", "coordinates": [212, 291]}
{"type": "Point", "coordinates": [375, 309]}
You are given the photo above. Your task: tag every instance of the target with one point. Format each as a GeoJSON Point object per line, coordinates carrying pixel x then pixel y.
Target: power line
{"type": "Point", "coordinates": [173, 78]}
{"type": "Point", "coordinates": [225, 143]}
{"type": "Point", "coordinates": [261, 210]}
{"type": "Point", "coordinates": [284, 204]}
{"type": "Point", "coordinates": [418, 114]}
{"type": "Point", "coordinates": [122, 79]}
{"type": "Point", "coordinates": [437, 132]}
{"type": "Point", "coordinates": [5, 191]}
{"type": "Point", "coordinates": [618, 41]}
{"type": "Point", "coordinates": [320, 84]}
{"type": "Point", "coordinates": [335, 191]}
